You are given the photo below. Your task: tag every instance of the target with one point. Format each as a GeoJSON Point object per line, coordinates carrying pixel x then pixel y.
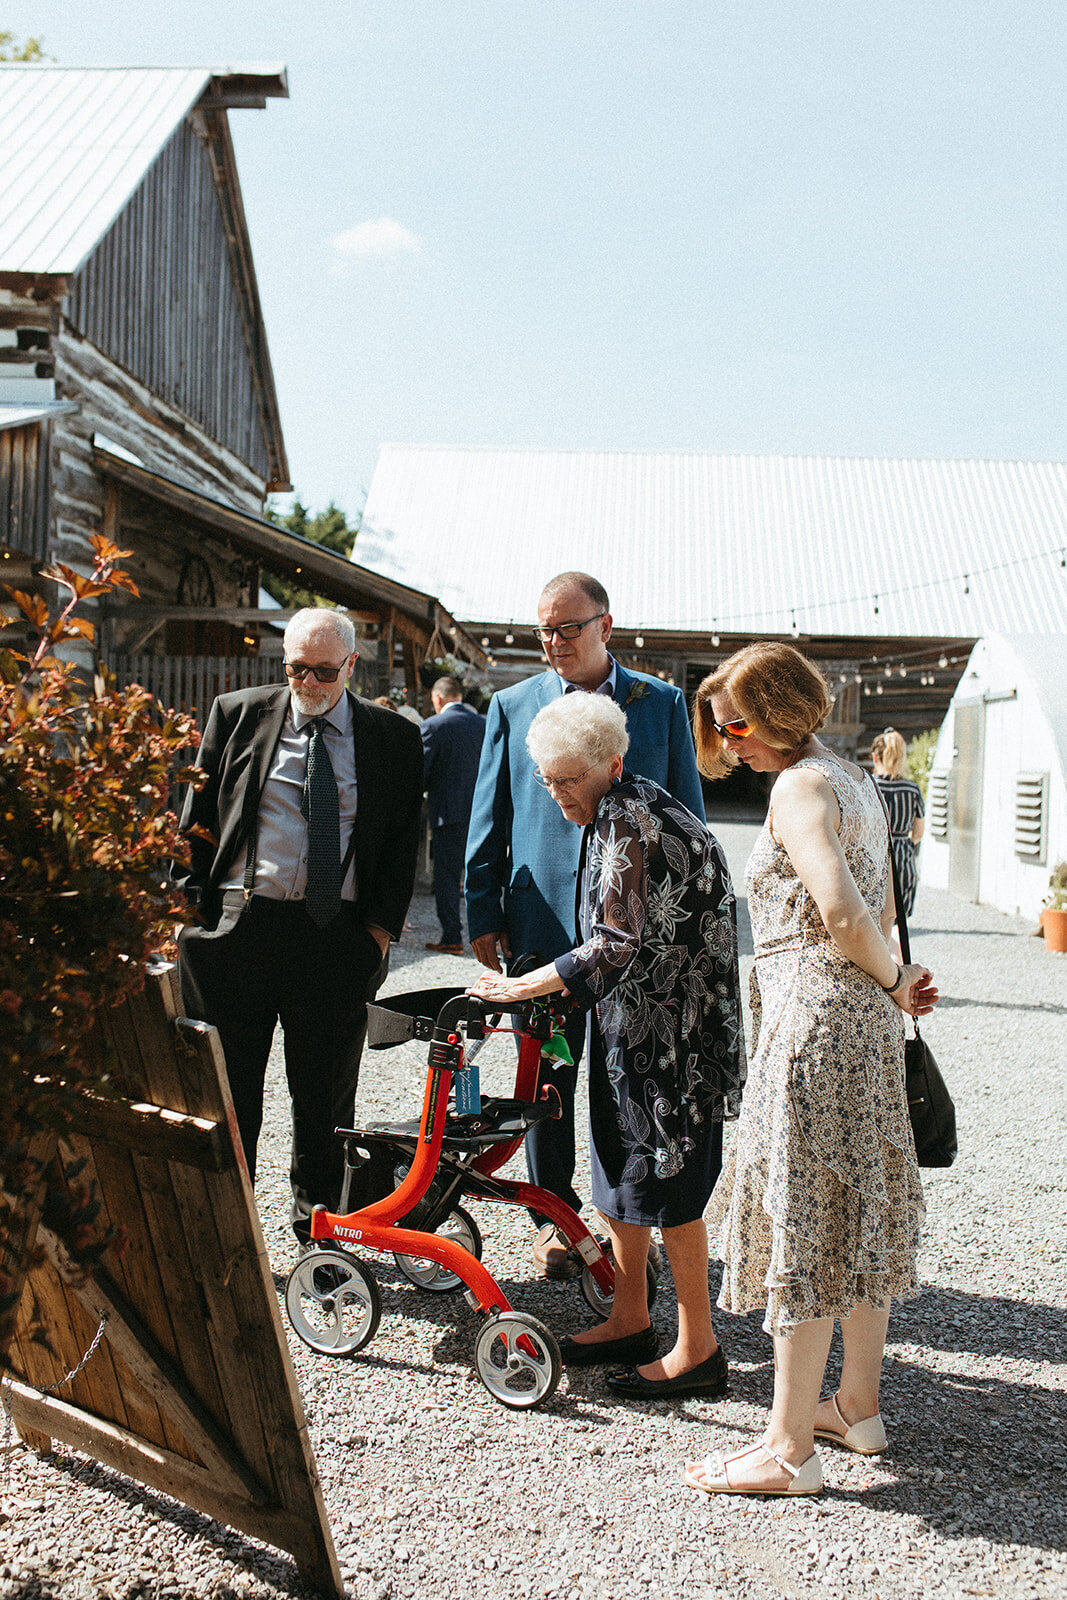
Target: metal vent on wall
{"type": "Point", "coordinates": [937, 804]}
{"type": "Point", "coordinates": [1031, 817]}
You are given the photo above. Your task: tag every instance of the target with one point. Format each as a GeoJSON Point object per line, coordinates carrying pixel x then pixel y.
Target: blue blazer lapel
{"type": "Point", "coordinates": [624, 682]}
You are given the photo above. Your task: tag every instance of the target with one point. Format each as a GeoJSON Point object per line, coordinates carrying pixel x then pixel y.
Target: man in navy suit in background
{"type": "Point", "coordinates": [522, 853]}
{"type": "Point", "coordinates": [451, 746]}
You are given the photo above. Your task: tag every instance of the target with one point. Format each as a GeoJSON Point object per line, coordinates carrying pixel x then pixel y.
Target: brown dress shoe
{"type": "Point", "coordinates": [553, 1256]}
{"type": "Point", "coordinates": [445, 949]}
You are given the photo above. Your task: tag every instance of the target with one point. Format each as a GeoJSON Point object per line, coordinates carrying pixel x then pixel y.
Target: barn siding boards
{"type": "Point", "coordinates": [24, 498]}
{"type": "Point", "coordinates": [158, 296]}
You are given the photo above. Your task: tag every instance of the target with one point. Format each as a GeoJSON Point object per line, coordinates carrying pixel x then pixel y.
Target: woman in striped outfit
{"type": "Point", "coordinates": [904, 802]}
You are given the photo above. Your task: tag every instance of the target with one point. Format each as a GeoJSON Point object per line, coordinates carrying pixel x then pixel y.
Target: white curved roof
{"type": "Point", "coordinates": [695, 541]}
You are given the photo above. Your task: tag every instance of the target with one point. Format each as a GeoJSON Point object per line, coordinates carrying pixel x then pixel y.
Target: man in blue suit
{"type": "Point", "coordinates": [522, 853]}
{"type": "Point", "coordinates": [451, 745]}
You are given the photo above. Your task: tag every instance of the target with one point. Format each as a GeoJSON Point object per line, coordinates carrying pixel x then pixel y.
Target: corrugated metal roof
{"type": "Point", "coordinates": [22, 416]}
{"type": "Point", "coordinates": [75, 143]}
{"type": "Point", "coordinates": [700, 542]}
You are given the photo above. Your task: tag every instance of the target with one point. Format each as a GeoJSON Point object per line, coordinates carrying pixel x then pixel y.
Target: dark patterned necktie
{"type": "Point", "coordinates": [322, 809]}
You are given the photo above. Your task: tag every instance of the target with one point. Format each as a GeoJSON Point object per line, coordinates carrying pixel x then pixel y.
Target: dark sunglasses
{"type": "Point", "coordinates": [297, 669]}
{"type": "Point", "coordinates": [738, 728]}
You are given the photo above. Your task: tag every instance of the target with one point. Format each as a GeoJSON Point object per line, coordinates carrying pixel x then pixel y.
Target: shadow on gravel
{"type": "Point", "coordinates": [947, 1002]}
{"type": "Point", "coordinates": [274, 1569]}
{"type": "Point", "coordinates": [983, 1325]}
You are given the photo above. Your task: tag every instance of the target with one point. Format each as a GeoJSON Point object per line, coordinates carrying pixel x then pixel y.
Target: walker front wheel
{"type": "Point", "coordinates": [601, 1303]}
{"type": "Point", "coordinates": [333, 1302]}
{"type": "Point", "coordinates": [517, 1359]}
{"type": "Point", "coordinates": [461, 1228]}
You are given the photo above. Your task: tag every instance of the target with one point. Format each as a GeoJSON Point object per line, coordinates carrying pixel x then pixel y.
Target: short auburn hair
{"type": "Point", "coordinates": [781, 695]}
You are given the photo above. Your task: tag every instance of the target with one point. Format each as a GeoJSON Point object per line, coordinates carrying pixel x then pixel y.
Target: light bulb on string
{"type": "Point", "coordinates": [639, 640]}
{"type": "Point", "coordinates": [485, 641]}
{"type": "Point", "coordinates": [903, 672]}
{"type": "Point", "coordinates": [888, 670]}
{"type": "Point", "coordinates": [878, 688]}
{"type": "Point", "coordinates": [715, 641]}
{"type": "Point", "coordinates": [942, 662]}
{"type": "Point", "coordinates": [509, 637]}
{"type": "Point", "coordinates": [866, 688]}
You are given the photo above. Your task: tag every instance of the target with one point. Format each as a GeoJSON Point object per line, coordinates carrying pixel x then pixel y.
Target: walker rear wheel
{"type": "Point", "coordinates": [601, 1303]}
{"type": "Point", "coordinates": [461, 1228]}
{"type": "Point", "coordinates": [333, 1302]}
{"type": "Point", "coordinates": [517, 1359]}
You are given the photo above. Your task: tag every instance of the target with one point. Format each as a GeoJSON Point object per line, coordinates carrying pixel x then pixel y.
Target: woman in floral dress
{"type": "Point", "coordinates": [820, 1202]}
{"type": "Point", "coordinates": [657, 970]}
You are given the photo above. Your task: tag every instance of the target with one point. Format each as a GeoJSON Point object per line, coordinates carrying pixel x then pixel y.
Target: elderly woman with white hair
{"type": "Point", "coordinates": [657, 970]}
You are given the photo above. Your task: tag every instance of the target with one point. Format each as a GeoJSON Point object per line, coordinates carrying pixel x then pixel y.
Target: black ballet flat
{"type": "Point", "coordinates": [634, 1347]}
{"type": "Point", "coordinates": [708, 1380]}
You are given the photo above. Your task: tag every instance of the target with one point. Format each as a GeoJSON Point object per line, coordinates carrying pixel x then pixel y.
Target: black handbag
{"type": "Point", "coordinates": [933, 1115]}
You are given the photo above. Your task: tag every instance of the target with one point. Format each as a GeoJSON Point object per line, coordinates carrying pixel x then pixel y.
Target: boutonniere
{"type": "Point", "coordinates": [639, 689]}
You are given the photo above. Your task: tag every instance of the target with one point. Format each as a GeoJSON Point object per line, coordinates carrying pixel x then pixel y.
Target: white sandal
{"type": "Point", "coordinates": [867, 1438]}
{"type": "Point", "coordinates": [805, 1479]}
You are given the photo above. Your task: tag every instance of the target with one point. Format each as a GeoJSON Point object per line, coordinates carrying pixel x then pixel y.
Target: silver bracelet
{"type": "Point", "coordinates": [891, 988]}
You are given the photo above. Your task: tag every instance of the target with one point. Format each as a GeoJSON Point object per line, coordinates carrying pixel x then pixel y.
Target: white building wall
{"type": "Point", "coordinates": [1019, 737]}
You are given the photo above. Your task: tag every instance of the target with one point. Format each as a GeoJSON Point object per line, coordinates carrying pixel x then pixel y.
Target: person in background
{"type": "Point", "coordinates": [819, 1204]}
{"type": "Point", "coordinates": [303, 843]}
{"type": "Point", "coordinates": [522, 853]}
{"type": "Point", "coordinates": [451, 746]}
{"type": "Point", "coordinates": [904, 803]}
{"type": "Point", "coordinates": [656, 969]}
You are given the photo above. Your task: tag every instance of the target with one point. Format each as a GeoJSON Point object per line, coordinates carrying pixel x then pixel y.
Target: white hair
{"type": "Point", "coordinates": [313, 616]}
{"type": "Point", "coordinates": [578, 726]}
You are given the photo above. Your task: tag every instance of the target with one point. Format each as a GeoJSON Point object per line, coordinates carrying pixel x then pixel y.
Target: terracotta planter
{"type": "Point", "coordinates": [1055, 925]}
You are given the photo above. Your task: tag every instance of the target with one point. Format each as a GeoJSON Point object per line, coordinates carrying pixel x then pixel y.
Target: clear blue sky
{"type": "Point", "coordinates": [827, 226]}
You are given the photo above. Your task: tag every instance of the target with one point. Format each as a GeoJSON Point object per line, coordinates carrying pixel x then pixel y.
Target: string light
{"type": "Point", "coordinates": [509, 637]}
{"type": "Point", "coordinates": [942, 662]}
{"type": "Point", "coordinates": [715, 641]}
{"type": "Point", "coordinates": [485, 642]}
{"type": "Point", "coordinates": [639, 640]}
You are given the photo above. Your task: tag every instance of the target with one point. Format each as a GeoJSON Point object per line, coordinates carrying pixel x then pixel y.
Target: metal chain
{"type": "Point", "coordinates": [53, 1388]}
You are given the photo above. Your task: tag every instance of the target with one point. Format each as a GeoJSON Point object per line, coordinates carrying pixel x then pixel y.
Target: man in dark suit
{"type": "Point", "coordinates": [522, 853]}
{"type": "Point", "coordinates": [451, 745]}
{"type": "Point", "coordinates": [311, 814]}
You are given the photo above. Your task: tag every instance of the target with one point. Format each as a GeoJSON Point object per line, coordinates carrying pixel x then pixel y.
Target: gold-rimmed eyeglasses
{"type": "Point", "coordinates": [564, 785]}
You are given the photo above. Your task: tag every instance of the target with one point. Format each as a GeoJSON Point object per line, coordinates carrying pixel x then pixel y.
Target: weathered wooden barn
{"type": "Point", "coordinates": [136, 391]}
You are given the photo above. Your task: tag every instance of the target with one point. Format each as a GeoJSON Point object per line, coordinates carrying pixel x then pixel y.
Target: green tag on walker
{"type": "Point", "coordinates": [556, 1048]}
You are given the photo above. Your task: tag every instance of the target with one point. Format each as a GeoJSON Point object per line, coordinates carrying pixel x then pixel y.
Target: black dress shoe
{"type": "Point", "coordinates": [709, 1380]}
{"type": "Point", "coordinates": [641, 1346]}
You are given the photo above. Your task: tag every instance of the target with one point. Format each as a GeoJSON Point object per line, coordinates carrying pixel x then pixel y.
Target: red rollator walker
{"type": "Point", "coordinates": [402, 1187]}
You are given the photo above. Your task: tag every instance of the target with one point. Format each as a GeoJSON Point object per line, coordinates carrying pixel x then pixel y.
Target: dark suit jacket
{"type": "Point", "coordinates": [451, 746]}
{"type": "Point", "coordinates": [239, 741]}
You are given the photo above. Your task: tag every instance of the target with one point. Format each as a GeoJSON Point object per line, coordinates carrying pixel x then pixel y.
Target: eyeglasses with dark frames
{"type": "Point", "coordinates": [300, 669]}
{"type": "Point", "coordinates": [736, 728]}
{"type": "Point", "coordinates": [566, 630]}
{"type": "Point", "coordinates": [564, 785]}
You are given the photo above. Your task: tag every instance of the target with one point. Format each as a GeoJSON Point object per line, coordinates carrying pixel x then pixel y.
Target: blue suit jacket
{"type": "Point", "coordinates": [451, 745]}
{"type": "Point", "coordinates": [522, 853]}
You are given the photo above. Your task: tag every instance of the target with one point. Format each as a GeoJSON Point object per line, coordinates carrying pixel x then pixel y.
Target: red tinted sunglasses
{"type": "Point", "coordinates": [738, 728]}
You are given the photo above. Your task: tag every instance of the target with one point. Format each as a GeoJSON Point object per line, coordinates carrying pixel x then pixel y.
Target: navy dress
{"type": "Point", "coordinates": [657, 968]}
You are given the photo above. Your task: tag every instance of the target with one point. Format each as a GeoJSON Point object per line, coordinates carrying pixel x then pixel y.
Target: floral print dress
{"type": "Point", "coordinates": [658, 969]}
{"type": "Point", "coordinates": [820, 1202]}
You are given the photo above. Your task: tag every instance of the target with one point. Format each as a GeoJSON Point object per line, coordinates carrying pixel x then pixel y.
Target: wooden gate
{"type": "Point", "coordinates": [191, 1389]}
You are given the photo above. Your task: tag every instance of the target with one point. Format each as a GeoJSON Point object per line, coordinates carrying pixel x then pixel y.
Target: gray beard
{"type": "Point", "coordinates": [312, 702]}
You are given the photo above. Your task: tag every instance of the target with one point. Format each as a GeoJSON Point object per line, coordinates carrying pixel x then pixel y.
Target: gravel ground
{"type": "Point", "coordinates": [434, 1489]}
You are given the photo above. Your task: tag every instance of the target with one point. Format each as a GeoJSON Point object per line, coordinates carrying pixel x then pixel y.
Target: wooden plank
{"type": "Point", "coordinates": [155, 1131]}
{"type": "Point", "coordinates": [119, 1448]}
{"type": "Point", "coordinates": [147, 1360]}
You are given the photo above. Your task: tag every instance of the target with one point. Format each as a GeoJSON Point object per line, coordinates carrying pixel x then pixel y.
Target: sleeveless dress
{"type": "Point", "coordinates": [820, 1203]}
{"type": "Point", "coordinates": [904, 802]}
